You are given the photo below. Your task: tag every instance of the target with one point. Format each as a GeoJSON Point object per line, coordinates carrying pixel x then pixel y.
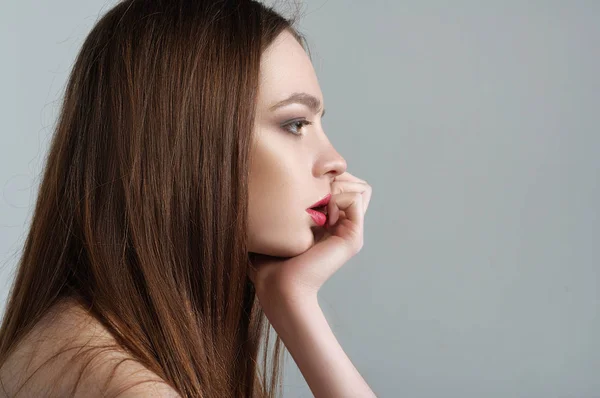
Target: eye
{"type": "Point", "coordinates": [297, 124]}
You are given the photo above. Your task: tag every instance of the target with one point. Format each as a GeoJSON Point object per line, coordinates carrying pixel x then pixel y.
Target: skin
{"type": "Point", "coordinates": [288, 173]}
{"type": "Point", "coordinates": [293, 257]}
{"type": "Point", "coordinates": [66, 325]}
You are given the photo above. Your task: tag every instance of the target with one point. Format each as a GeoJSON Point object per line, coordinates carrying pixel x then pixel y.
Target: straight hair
{"type": "Point", "coordinates": [141, 216]}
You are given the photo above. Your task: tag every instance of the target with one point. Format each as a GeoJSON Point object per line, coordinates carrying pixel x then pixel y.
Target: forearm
{"type": "Point", "coordinates": [325, 366]}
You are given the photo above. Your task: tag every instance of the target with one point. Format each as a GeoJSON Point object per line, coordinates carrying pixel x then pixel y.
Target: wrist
{"type": "Point", "coordinates": [275, 301]}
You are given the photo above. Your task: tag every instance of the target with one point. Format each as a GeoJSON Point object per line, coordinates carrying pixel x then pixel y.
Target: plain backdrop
{"type": "Point", "coordinates": [475, 122]}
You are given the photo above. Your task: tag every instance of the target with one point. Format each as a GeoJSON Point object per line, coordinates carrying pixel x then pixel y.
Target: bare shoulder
{"type": "Point", "coordinates": [131, 379]}
{"type": "Point", "coordinates": [47, 361]}
{"type": "Point", "coordinates": [156, 390]}
{"type": "Point", "coordinates": [38, 365]}
{"type": "Point", "coordinates": [150, 390]}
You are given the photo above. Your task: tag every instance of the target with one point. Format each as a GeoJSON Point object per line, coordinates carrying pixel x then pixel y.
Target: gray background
{"type": "Point", "coordinates": [476, 123]}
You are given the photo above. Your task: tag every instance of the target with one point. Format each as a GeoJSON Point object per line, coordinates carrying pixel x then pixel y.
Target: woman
{"type": "Point", "coordinates": [174, 215]}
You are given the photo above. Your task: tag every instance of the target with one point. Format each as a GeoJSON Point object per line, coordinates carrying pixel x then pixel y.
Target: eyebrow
{"type": "Point", "coordinates": [312, 102]}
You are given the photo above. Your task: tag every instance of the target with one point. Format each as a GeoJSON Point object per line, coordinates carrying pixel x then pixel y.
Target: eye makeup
{"type": "Point", "coordinates": [288, 126]}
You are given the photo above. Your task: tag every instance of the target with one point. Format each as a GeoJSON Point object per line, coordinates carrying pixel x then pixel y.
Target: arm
{"type": "Point", "coordinates": [306, 334]}
{"type": "Point", "coordinates": [287, 289]}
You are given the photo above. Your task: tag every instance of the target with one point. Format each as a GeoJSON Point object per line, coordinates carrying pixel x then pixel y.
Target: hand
{"type": "Point", "coordinates": [297, 278]}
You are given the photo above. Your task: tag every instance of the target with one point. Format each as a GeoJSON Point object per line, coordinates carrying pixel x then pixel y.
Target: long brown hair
{"type": "Point", "coordinates": [142, 211]}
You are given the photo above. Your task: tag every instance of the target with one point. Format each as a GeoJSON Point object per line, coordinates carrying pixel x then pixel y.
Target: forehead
{"type": "Point", "coordinates": [285, 68]}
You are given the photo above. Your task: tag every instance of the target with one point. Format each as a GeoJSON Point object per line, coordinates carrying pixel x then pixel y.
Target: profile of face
{"type": "Point", "coordinates": [292, 161]}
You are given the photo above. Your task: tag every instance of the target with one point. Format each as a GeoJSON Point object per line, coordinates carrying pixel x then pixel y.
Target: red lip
{"type": "Point", "coordinates": [319, 218]}
{"type": "Point", "coordinates": [322, 202]}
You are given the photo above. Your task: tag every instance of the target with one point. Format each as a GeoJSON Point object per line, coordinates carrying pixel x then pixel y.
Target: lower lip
{"type": "Point", "coordinates": [317, 216]}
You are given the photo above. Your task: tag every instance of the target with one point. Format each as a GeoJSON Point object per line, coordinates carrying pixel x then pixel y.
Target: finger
{"type": "Point", "coordinates": [352, 186]}
{"type": "Point", "coordinates": [352, 205]}
{"type": "Point", "coordinates": [345, 176]}
{"type": "Point", "coordinates": [348, 186]}
{"type": "Point", "coordinates": [332, 220]}
{"type": "Point", "coordinates": [367, 198]}
{"type": "Point", "coordinates": [333, 212]}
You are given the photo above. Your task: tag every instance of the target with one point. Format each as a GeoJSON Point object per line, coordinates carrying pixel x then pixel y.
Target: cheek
{"type": "Point", "coordinates": [278, 224]}
{"type": "Point", "coordinates": [277, 228]}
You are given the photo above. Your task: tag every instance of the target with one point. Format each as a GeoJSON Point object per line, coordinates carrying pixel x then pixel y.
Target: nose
{"type": "Point", "coordinates": [331, 163]}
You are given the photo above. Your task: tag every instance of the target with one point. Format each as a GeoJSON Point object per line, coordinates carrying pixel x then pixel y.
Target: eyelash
{"type": "Point", "coordinates": [295, 122]}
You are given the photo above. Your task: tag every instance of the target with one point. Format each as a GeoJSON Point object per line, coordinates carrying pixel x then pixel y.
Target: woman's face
{"type": "Point", "coordinates": [292, 164]}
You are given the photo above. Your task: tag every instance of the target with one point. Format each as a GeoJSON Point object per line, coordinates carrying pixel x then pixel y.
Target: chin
{"type": "Point", "coordinates": [289, 247]}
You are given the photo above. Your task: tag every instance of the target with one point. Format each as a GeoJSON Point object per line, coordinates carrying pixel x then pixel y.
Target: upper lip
{"type": "Point", "coordinates": [322, 202]}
